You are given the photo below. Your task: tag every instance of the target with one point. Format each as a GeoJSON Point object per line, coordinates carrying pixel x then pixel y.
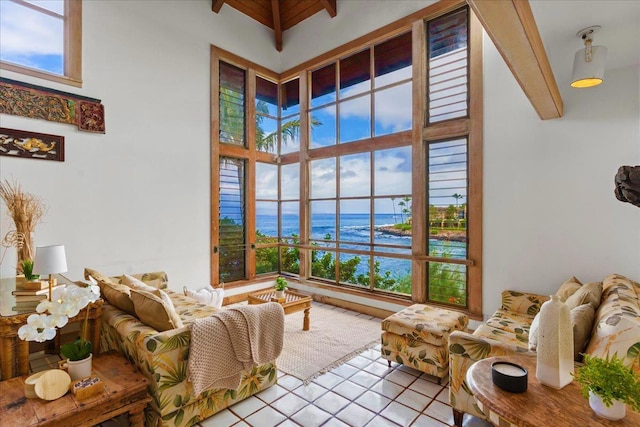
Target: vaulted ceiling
{"type": "Point", "coordinates": [279, 15]}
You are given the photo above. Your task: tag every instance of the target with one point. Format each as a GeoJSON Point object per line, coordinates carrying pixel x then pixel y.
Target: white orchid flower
{"type": "Point", "coordinates": [39, 327]}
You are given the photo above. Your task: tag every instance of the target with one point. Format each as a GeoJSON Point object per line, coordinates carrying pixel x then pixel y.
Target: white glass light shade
{"type": "Point", "coordinates": [50, 260]}
{"type": "Point", "coordinates": [588, 74]}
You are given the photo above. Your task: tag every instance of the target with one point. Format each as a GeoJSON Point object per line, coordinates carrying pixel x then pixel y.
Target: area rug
{"type": "Point", "coordinates": [335, 336]}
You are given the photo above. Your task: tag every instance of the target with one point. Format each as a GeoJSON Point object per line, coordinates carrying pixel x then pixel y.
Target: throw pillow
{"type": "Point", "coordinates": [589, 293]}
{"type": "Point", "coordinates": [568, 288]}
{"type": "Point", "coordinates": [97, 276]}
{"type": "Point", "coordinates": [117, 295]}
{"type": "Point", "coordinates": [138, 285]}
{"type": "Point", "coordinates": [582, 318]}
{"type": "Point", "coordinates": [157, 312]}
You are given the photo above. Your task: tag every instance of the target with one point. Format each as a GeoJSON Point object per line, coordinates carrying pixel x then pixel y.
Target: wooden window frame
{"type": "Point", "coordinates": [469, 127]}
{"type": "Point", "coordinates": [72, 57]}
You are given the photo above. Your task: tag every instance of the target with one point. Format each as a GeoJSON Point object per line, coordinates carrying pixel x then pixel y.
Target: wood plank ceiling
{"type": "Point", "coordinates": [279, 15]}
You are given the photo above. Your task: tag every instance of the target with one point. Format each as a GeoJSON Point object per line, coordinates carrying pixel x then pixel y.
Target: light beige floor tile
{"type": "Point", "coordinates": [381, 422]}
{"type": "Point", "coordinates": [413, 400]}
{"type": "Point", "coordinates": [373, 401]}
{"type": "Point", "coordinates": [440, 411]}
{"type": "Point", "coordinates": [425, 387]}
{"type": "Point", "coordinates": [349, 390]}
{"type": "Point", "coordinates": [223, 418]}
{"type": "Point", "coordinates": [331, 402]}
{"type": "Point", "coordinates": [401, 378]}
{"type": "Point", "coordinates": [328, 380]}
{"type": "Point", "coordinates": [409, 370]}
{"type": "Point", "coordinates": [365, 379]}
{"type": "Point", "coordinates": [400, 414]}
{"type": "Point", "coordinates": [425, 421]}
{"type": "Point", "coordinates": [359, 362]}
{"type": "Point", "coordinates": [247, 406]}
{"type": "Point", "coordinates": [334, 422]}
{"type": "Point", "coordinates": [355, 415]}
{"type": "Point", "coordinates": [289, 404]}
{"type": "Point", "coordinates": [272, 393]}
{"type": "Point", "coordinates": [311, 416]}
{"type": "Point", "coordinates": [289, 382]}
{"type": "Point", "coordinates": [310, 392]}
{"type": "Point", "coordinates": [378, 369]}
{"type": "Point", "coordinates": [265, 417]}
{"type": "Point", "coordinates": [345, 370]}
{"type": "Point", "coordinates": [387, 389]}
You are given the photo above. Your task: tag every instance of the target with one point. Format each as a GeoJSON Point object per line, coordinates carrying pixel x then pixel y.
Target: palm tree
{"type": "Point", "coordinates": [457, 196]}
{"type": "Point", "coordinates": [393, 203]}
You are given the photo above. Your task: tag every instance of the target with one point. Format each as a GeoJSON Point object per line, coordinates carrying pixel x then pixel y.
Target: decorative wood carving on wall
{"type": "Point", "coordinates": [37, 102]}
{"type": "Point", "coordinates": [628, 185]}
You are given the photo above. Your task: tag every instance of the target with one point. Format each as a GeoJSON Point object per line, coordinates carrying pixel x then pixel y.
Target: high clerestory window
{"type": "Point", "coordinates": [362, 171]}
{"type": "Point", "coordinates": [42, 39]}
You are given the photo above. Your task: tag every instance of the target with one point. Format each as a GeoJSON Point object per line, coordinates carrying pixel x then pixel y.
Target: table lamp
{"type": "Point", "coordinates": [50, 260]}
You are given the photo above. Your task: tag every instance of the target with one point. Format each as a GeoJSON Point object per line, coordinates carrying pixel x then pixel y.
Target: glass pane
{"type": "Point", "coordinates": [393, 172]}
{"type": "Point", "coordinates": [266, 97]}
{"type": "Point", "coordinates": [290, 181]}
{"type": "Point", "coordinates": [354, 269]}
{"type": "Point", "coordinates": [266, 181]}
{"type": "Point", "coordinates": [448, 67]}
{"type": "Point", "coordinates": [31, 38]}
{"type": "Point", "coordinates": [323, 85]}
{"type": "Point", "coordinates": [323, 127]}
{"type": "Point", "coordinates": [267, 222]}
{"type": "Point", "coordinates": [355, 175]}
{"type": "Point", "coordinates": [231, 220]}
{"type": "Point", "coordinates": [266, 134]}
{"type": "Point", "coordinates": [291, 219]}
{"type": "Point", "coordinates": [232, 104]}
{"type": "Point", "coordinates": [56, 6]}
{"type": "Point", "coordinates": [393, 111]}
{"type": "Point", "coordinates": [290, 97]}
{"type": "Point", "coordinates": [323, 221]}
{"type": "Point", "coordinates": [290, 135]}
{"type": "Point", "coordinates": [448, 191]}
{"type": "Point", "coordinates": [392, 274]}
{"type": "Point", "coordinates": [266, 260]}
{"type": "Point", "coordinates": [323, 264]}
{"type": "Point", "coordinates": [392, 60]}
{"type": "Point", "coordinates": [392, 224]}
{"type": "Point", "coordinates": [290, 257]}
{"type": "Point", "coordinates": [355, 222]}
{"type": "Point", "coordinates": [355, 74]}
{"type": "Point", "coordinates": [355, 119]}
{"type": "Point", "coordinates": [323, 178]}
{"type": "Point", "coordinates": [448, 283]}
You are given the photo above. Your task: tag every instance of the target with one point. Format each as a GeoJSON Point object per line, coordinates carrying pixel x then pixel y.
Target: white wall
{"type": "Point", "coordinates": [549, 208]}
{"type": "Point", "coordinates": [137, 198]}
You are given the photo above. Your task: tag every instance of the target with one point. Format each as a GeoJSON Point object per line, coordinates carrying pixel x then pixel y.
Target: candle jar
{"type": "Point", "coordinates": [509, 376]}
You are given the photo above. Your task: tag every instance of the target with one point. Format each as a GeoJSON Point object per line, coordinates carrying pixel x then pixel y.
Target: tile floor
{"type": "Point", "coordinates": [362, 392]}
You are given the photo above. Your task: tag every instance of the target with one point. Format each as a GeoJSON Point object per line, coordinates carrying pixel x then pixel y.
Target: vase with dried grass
{"type": "Point", "coordinates": [27, 211]}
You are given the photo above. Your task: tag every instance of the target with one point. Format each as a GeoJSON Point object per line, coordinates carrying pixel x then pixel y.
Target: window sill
{"type": "Point", "coordinates": [71, 81]}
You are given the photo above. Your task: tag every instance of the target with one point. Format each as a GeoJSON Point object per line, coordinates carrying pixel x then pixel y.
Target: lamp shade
{"type": "Point", "coordinates": [588, 74]}
{"type": "Point", "coordinates": [50, 260]}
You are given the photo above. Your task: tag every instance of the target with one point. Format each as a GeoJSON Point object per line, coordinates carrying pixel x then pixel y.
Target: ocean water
{"type": "Point", "coordinates": [356, 228]}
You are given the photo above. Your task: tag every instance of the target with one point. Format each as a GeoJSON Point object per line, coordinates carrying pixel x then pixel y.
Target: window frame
{"type": "Point", "coordinates": [418, 137]}
{"type": "Point", "coordinates": [72, 56]}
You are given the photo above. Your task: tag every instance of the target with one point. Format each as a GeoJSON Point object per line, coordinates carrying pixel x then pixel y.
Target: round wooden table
{"type": "Point", "coordinates": [539, 405]}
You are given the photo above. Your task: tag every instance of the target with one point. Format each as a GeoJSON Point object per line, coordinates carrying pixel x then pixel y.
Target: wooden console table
{"type": "Point", "coordinates": [125, 392]}
{"type": "Point", "coordinates": [293, 302]}
{"type": "Point", "coordinates": [539, 405]}
{"type": "Point", "coordinates": [14, 352]}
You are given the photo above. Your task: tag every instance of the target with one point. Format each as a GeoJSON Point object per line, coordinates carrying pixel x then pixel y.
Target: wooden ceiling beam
{"type": "Point", "coordinates": [216, 5]}
{"type": "Point", "coordinates": [513, 29]}
{"type": "Point", "coordinates": [277, 26]}
{"type": "Point", "coordinates": [330, 6]}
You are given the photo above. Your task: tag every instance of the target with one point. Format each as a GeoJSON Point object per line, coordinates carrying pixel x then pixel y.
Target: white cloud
{"type": "Point", "coordinates": [26, 32]}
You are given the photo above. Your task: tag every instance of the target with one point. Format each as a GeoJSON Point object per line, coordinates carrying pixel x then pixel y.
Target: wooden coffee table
{"type": "Point", "coordinates": [292, 302]}
{"type": "Point", "coordinates": [125, 392]}
{"type": "Point", "coordinates": [539, 405]}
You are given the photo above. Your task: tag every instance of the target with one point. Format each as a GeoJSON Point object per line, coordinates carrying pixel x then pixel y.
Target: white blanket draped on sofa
{"type": "Point", "coordinates": [232, 341]}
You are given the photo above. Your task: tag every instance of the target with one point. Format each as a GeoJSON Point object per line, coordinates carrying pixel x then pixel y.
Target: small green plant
{"type": "Point", "coordinates": [610, 379]}
{"type": "Point", "coordinates": [77, 350]}
{"type": "Point", "coordinates": [27, 268]}
{"type": "Point", "coordinates": [281, 284]}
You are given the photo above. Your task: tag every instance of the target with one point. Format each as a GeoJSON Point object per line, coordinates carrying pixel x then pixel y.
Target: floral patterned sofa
{"type": "Point", "coordinates": [162, 358]}
{"type": "Point", "coordinates": [616, 330]}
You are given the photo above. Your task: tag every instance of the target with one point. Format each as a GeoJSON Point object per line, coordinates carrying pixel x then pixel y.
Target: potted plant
{"type": "Point", "coordinates": [609, 385]}
{"type": "Point", "coordinates": [281, 286]}
{"type": "Point", "coordinates": [31, 280]}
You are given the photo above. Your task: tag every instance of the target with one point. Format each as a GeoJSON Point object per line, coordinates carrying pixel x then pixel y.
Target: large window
{"type": "Point", "coordinates": [363, 171]}
{"type": "Point", "coordinates": [42, 39]}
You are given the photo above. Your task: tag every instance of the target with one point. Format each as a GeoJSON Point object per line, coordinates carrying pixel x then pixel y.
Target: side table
{"type": "Point", "coordinates": [293, 302]}
{"type": "Point", "coordinates": [539, 405]}
{"type": "Point", "coordinates": [125, 392]}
